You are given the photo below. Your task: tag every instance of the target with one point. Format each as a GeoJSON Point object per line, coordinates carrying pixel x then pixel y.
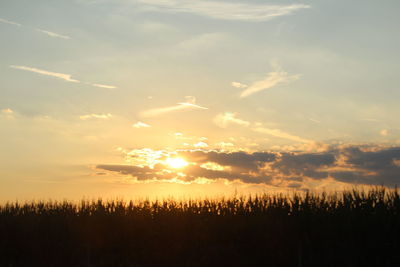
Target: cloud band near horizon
{"type": "Point", "coordinates": [362, 165]}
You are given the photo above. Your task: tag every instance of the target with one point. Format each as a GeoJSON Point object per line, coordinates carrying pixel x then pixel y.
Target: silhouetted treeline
{"type": "Point", "coordinates": [353, 228]}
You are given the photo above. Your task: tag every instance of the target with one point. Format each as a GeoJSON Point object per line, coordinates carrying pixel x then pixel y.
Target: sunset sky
{"type": "Point", "coordinates": [137, 98]}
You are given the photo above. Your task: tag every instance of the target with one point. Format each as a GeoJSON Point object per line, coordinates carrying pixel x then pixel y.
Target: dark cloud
{"type": "Point", "coordinates": [353, 177]}
{"type": "Point", "coordinates": [240, 161]}
{"type": "Point", "coordinates": [371, 166]}
{"type": "Point", "coordinates": [141, 173]}
{"type": "Point", "coordinates": [373, 160]}
{"type": "Point", "coordinates": [353, 164]}
{"type": "Point", "coordinates": [294, 185]}
{"type": "Point", "coordinates": [191, 172]}
{"type": "Point", "coordinates": [196, 171]}
{"type": "Point", "coordinates": [308, 165]}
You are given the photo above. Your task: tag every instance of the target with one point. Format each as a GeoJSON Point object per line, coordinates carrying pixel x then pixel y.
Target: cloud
{"type": "Point", "coordinates": [140, 124]}
{"type": "Point", "coordinates": [140, 173]}
{"type": "Point", "coordinates": [224, 145]}
{"type": "Point", "coordinates": [223, 10]}
{"type": "Point", "coordinates": [237, 161]}
{"type": "Point", "coordinates": [96, 116]}
{"type": "Point", "coordinates": [156, 27]}
{"type": "Point", "coordinates": [396, 162]}
{"type": "Point", "coordinates": [314, 120]}
{"type": "Point", "coordinates": [158, 111]}
{"type": "Point", "coordinates": [384, 132]}
{"type": "Point", "coordinates": [53, 34]}
{"type": "Point", "coordinates": [65, 77]}
{"type": "Point", "coordinates": [200, 145]}
{"type": "Point", "coordinates": [204, 42]}
{"type": "Point", "coordinates": [281, 134]}
{"type": "Point", "coordinates": [225, 119]}
{"type": "Point", "coordinates": [104, 86]}
{"type": "Point", "coordinates": [191, 105]}
{"type": "Point", "coordinates": [273, 79]}
{"type": "Point", "coordinates": [188, 105]}
{"type": "Point", "coordinates": [304, 164]}
{"type": "Point", "coordinates": [10, 22]}
{"type": "Point", "coordinates": [49, 33]}
{"type": "Point", "coordinates": [231, 166]}
{"type": "Point", "coordinates": [239, 85]}
{"type": "Point", "coordinates": [370, 119]}
{"type": "Point", "coordinates": [7, 111]}
{"type": "Point", "coordinates": [371, 165]}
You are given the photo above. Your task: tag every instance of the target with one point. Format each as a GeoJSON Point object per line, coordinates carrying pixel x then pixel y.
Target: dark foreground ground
{"type": "Point", "coordinates": [349, 229]}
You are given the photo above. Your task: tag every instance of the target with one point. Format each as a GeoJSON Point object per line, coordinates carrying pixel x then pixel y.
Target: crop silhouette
{"type": "Point", "coordinates": [352, 228]}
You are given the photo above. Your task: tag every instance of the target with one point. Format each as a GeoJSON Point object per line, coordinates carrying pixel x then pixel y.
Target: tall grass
{"type": "Point", "coordinates": [352, 228]}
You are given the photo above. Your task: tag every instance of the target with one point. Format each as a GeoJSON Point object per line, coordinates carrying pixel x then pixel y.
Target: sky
{"type": "Point", "coordinates": [180, 98]}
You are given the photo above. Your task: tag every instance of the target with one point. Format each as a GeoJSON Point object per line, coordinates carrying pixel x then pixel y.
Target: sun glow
{"type": "Point", "coordinates": [177, 163]}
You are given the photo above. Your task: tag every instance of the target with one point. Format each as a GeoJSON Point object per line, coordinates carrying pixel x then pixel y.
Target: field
{"type": "Point", "coordinates": [352, 228]}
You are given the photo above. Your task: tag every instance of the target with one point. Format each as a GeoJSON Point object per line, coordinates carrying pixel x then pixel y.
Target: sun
{"type": "Point", "coordinates": [177, 163]}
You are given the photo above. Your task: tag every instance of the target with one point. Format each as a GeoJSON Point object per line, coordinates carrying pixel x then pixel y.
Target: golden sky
{"type": "Point", "coordinates": [138, 98]}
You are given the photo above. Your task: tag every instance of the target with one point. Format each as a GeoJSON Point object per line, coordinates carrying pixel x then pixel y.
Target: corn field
{"type": "Point", "coordinates": [351, 228]}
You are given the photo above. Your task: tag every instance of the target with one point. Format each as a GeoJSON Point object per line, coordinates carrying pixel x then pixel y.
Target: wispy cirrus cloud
{"type": "Point", "coordinates": [104, 86]}
{"type": "Point", "coordinates": [53, 34]}
{"type": "Point", "coordinates": [96, 116]}
{"type": "Point", "coordinates": [281, 134]}
{"type": "Point", "coordinates": [140, 124]}
{"type": "Point", "coordinates": [7, 111]}
{"type": "Point", "coordinates": [223, 10]}
{"type": "Point", "coordinates": [239, 85]}
{"type": "Point", "coordinates": [314, 120]}
{"type": "Point", "coordinates": [10, 22]}
{"type": "Point", "coordinates": [370, 119]}
{"type": "Point", "coordinates": [158, 111]}
{"type": "Point", "coordinates": [273, 79]}
{"type": "Point", "coordinates": [190, 104]}
{"type": "Point", "coordinates": [62, 76]}
{"type": "Point", "coordinates": [226, 119]}
{"type": "Point", "coordinates": [48, 33]}
{"type": "Point", "coordinates": [65, 77]}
